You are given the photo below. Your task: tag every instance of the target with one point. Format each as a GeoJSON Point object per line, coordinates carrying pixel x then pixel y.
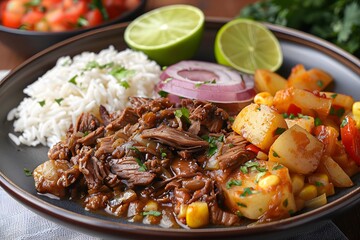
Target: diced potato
{"type": "Point", "coordinates": [306, 122]}
{"type": "Point", "coordinates": [340, 100]}
{"type": "Point", "coordinates": [313, 79]}
{"type": "Point", "coordinates": [264, 98]}
{"type": "Point", "coordinates": [197, 214]}
{"type": "Point", "coordinates": [258, 124]}
{"type": "Point", "coordinates": [298, 150]}
{"type": "Point", "coordinates": [309, 103]}
{"type": "Point", "coordinates": [254, 191]}
{"type": "Point", "coordinates": [267, 81]}
{"type": "Point", "coordinates": [336, 174]}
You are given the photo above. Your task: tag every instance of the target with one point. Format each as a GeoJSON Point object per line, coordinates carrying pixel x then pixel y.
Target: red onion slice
{"type": "Point", "coordinates": [190, 79]}
{"type": "Point", "coordinates": [203, 76]}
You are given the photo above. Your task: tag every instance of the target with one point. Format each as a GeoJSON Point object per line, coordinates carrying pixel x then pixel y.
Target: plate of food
{"type": "Point", "coordinates": [99, 138]}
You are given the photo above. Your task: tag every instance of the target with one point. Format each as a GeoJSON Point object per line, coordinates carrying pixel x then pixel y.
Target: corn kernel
{"type": "Point", "coordinates": [197, 214]}
{"type": "Point", "coordinates": [356, 113]}
{"type": "Point", "coordinates": [308, 192]}
{"type": "Point", "coordinates": [182, 212]}
{"type": "Point", "coordinates": [298, 183]}
{"type": "Point", "coordinates": [264, 98]}
{"type": "Point", "coordinates": [269, 181]}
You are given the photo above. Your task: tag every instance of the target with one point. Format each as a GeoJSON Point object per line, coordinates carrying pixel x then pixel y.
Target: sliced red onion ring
{"type": "Point", "coordinates": [203, 76]}
{"type": "Point", "coordinates": [190, 79]}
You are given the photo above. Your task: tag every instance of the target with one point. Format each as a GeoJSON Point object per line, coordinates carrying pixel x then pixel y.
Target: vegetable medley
{"type": "Point", "coordinates": [191, 164]}
{"type": "Point", "coordinates": [61, 15]}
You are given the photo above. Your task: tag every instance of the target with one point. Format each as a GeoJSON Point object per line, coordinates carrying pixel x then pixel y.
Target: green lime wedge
{"type": "Point", "coordinates": [247, 45]}
{"type": "Point", "coordinates": [167, 34]}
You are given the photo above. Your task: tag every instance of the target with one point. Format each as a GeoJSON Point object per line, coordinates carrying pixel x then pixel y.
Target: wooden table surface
{"type": "Point", "coordinates": [349, 220]}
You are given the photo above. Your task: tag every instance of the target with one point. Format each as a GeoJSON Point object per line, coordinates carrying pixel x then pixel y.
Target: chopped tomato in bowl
{"type": "Point", "coordinates": [55, 15]}
{"type": "Point", "coordinates": [29, 26]}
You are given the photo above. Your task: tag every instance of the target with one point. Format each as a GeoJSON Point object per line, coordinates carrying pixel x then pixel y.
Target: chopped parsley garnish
{"type": "Point", "coordinates": [163, 93]}
{"type": "Point", "coordinates": [42, 103]}
{"type": "Point", "coordinates": [233, 182]}
{"type": "Point", "coordinates": [247, 191]}
{"type": "Point", "coordinates": [213, 143]}
{"type": "Point", "coordinates": [244, 169]}
{"type": "Point", "coordinates": [163, 154]}
{"type": "Point", "coordinates": [320, 83]}
{"type": "Point", "coordinates": [99, 5]}
{"type": "Point", "coordinates": [317, 122]}
{"type": "Point", "coordinates": [59, 100]}
{"type": "Point", "coordinates": [333, 95]}
{"type": "Point", "coordinates": [32, 3]}
{"type": "Point", "coordinates": [231, 119]}
{"type": "Point", "coordinates": [135, 149]}
{"type": "Point", "coordinates": [279, 130]}
{"type": "Point", "coordinates": [164, 68]}
{"type": "Point", "coordinates": [82, 22]}
{"type": "Point", "coordinates": [119, 72]}
{"type": "Point", "coordinates": [303, 116]}
{"type": "Point", "coordinates": [142, 167]}
{"type": "Point", "coordinates": [319, 184]}
{"type": "Point", "coordinates": [183, 113]}
{"type": "Point", "coordinates": [275, 154]}
{"type": "Point", "coordinates": [277, 166]}
{"type": "Point", "coordinates": [73, 80]}
{"type": "Point", "coordinates": [151, 213]}
{"type": "Point", "coordinates": [344, 122]}
{"type": "Point", "coordinates": [27, 172]}
{"type": "Point", "coordinates": [241, 204]}
{"type": "Point", "coordinates": [337, 112]}
{"type": "Point", "coordinates": [124, 84]}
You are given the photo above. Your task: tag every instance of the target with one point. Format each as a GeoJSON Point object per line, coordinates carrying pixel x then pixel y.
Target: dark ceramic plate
{"type": "Point", "coordinates": [297, 47]}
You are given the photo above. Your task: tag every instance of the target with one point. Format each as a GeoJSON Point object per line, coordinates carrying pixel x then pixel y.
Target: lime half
{"type": "Point", "coordinates": [247, 45]}
{"type": "Point", "coordinates": [167, 34]}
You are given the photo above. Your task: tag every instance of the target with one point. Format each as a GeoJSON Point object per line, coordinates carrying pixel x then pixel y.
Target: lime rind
{"type": "Point", "coordinates": [254, 35]}
{"type": "Point", "coordinates": [146, 29]}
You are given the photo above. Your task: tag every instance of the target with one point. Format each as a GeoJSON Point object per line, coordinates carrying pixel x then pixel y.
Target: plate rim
{"type": "Point", "coordinates": [67, 217]}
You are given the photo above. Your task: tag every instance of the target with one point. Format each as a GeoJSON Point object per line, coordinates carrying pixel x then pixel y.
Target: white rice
{"type": "Point", "coordinates": [48, 124]}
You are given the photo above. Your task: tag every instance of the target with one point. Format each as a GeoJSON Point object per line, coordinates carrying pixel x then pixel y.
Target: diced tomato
{"type": "Point", "coordinates": [74, 12]}
{"type": "Point", "coordinates": [293, 109]}
{"type": "Point", "coordinates": [114, 7]}
{"type": "Point", "coordinates": [94, 17]}
{"type": "Point", "coordinates": [12, 20]}
{"type": "Point", "coordinates": [51, 4]}
{"type": "Point", "coordinates": [31, 18]}
{"type": "Point", "coordinates": [350, 137]}
{"type": "Point", "coordinates": [252, 148]}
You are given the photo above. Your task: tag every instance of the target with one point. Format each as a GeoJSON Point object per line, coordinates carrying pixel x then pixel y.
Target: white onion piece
{"type": "Point", "coordinates": [200, 75]}
{"type": "Point", "coordinates": [224, 90]}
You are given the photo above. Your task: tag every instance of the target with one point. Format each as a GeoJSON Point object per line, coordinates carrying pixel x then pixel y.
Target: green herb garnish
{"type": "Point", "coordinates": [317, 122]}
{"type": "Point", "coordinates": [247, 191]}
{"type": "Point", "coordinates": [27, 172]}
{"type": "Point", "coordinates": [279, 130]}
{"type": "Point", "coordinates": [344, 122]}
{"type": "Point", "coordinates": [275, 154]}
{"type": "Point", "coordinates": [59, 100]}
{"type": "Point", "coordinates": [42, 103]}
{"type": "Point", "coordinates": [163, 93]}
{"type": "Point", "coordinates": [142, 167]}
{"type": "Point", "coordinates": [73, 80]}
{"type": "Point", "coordinates": [241, 204]}
{"type": "Point", "coordinates": [183, 113]}
{"type": "Point", "coordinates": [233, 182]}
{"type": "Point", "coordinates": [152, 213]}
